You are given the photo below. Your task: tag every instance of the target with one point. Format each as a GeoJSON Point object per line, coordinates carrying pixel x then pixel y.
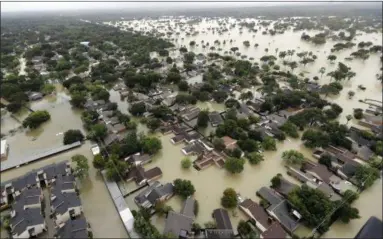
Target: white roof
{"type": "Point", "coordinates": [127, 218]}
{"type": "Point", "coordinates": [95, 150]}
{"type": "Point", "coordinates": [3, 145]}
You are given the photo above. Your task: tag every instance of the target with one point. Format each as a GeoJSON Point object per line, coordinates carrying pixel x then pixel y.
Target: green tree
{"type": "Point", "coordinates": [153, 124]}
{"type": "Point", "coordinates": [138, 109]}
{"type": "Point", "coordinates": [115, 168]}
{"type": "Point", "coordinates": [293, 157]}
{"type": "Point", "coordinates": [234, 165]}
{"type": "Point", "coordinates": [183, 85]}
{"type": "Point", "coordinates": [269, 143]}
{"type": "Point", "coordinates": [365, 176]}
{"type": "Point", "coordinates": [254, 158]}
{"type": "Point", "coordinates": [151, 145]}
{"type": "Point", "coordinates": [276, 181]}
{"type": "Point", "coordinates": [290, 129]}
{"type": "Point", "coordinates": [48, 89]}
{"type": "Point", "coordinates": [98, 131]}
{"type": "Point", "coordinates": [78, 100]}
{"type": "Point", "coordinates": [82, 167]}
{"type": "Point", "coordinates": [99, 162]}
{"type": "Point", "coordinates": [73, 135]}
{"type": "Point", "coordinates": [219, 144]}
{"type": "Point", "coordinates": [229, 198]}
{"type": "Point", "coordinates": [184, 188]}
{"type": "Point", "coordinates": [203, 119]}
{"type": "Point", "coordinates": [325, 160]}
{"type": "Point", "coordinates": [358, 113]}
{"type": "Point", "coordinates": [314, 138]}
{"type": "Point", "coordinates": [35, 119]}
{"type": "Point", "coordinates": [186, 163]}
{"type": "Point", "coordinates": [244, 228]}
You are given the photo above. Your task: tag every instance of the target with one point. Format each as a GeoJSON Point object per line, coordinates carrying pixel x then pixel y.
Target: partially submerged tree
{"type": "Point", "coordinates": [81, 168]}
{"type": "Point", "coordinates": [229, 198]}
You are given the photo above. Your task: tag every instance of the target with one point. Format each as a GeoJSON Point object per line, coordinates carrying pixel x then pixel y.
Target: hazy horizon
{"type": "Point", "coordinates": [31, 6]}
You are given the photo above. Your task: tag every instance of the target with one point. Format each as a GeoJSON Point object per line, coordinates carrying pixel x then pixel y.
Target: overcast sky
{"type": "Point", "coordinates": [83, 5]}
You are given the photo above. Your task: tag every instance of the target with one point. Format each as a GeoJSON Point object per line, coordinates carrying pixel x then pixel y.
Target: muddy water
{"type": "Point", "coordinates": [255, 177]}
{"type": "Point", "coordinates": [98, 206]}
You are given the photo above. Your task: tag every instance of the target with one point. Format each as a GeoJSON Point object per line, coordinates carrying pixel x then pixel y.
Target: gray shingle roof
{"type": "Point", "coordinates": [25, 218]}
{"type": "Point", "coordinates": [176, 223]}
{"type": "Point", "coordinates": [222, 219]}
{"type": "Point", "coordinates": [269, 195]}
{"type": "Point", "coordinates": [281, 211]}
{"type": "Point", "coordinates": [74, 229]}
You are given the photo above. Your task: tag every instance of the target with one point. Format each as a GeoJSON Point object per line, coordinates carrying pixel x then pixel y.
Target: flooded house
{"type": "Point", "coordinates": [74, 228]}
{"type": "Point", "coordinates": [65, 202]}
{"type": "Point", "coordinates": [26, 214]}
{"type": "Point", "coordinates": [156, 192]}
{"type": "Point", "coordinates": [255, 104]}
{"type": "Point", "coordinates": [180, 224]}
{"type": "Point", "coordinates": [142, 176]}
{"type": "Point", "coordinates": [138, 159]}
{"type": "Point", "coordinates": [224, 227]}
{"type": "Point", "coordinates": [229, 142]}
{"type": "Point", "coordinates": [215, 118]}
{"type": "Point", "coordinates": [208, 158]}
{"type": "Point", "coordinates": [185, 136]}
{"type": "Point", "coordinates": [42, 177]}
{"type": "Point", "coordinates": [268, 227]}
{"type": "Point", "coordinates": [285, 187]}
{"type": "Point", "coordinates": [280, 209]}
{"type": "Point", "coordinates": [190, 113]}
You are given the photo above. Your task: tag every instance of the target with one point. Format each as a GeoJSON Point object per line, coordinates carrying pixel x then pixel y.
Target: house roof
{"type": "Point", "coordinates": [30, 196]}
{"type": "Point", "coordinates": [63, 201]}
{"type": "Point", "coordinates": [222, 219]}
{"type": "Point", "coordinates": [329, 191]}
{"type": "Point", "coordinates": [373, 228]}
{"type": "Point", "coordinates": [188, 207]}
{"type": "Point", "coordinates": [137, 173]}
{"type": "Point", "coordinates": [282, 212]}
{"type": "Point", "coordinates": [257, 212]}
{"type": "Point", "coordinates": [25, 218]}
{"type": "Point", "coordinates": [320, 170]}
{"type": "Point", "coordinates": [274, 231]}
{"type": "Point", "coordinates": [215, 118]}
{"type": "Point", "coordinates": [269, 195]}
{"type": "Point", "coordinates": [77, 228]}
{"type": "Point", "coordinates": [228, 141]}
{"type": "Point", "coordinates": [348, 169]}
{"type": "Point", "coordinates": [286, 187]}
{"type": "Point", "coordinates": [154, 192]}
{"type": "Point", "coordinates": [177, 223]}
{"type": "Point", "coordinates": [138, 158]}
{"type": "Point", "coordinates": [153, 173]}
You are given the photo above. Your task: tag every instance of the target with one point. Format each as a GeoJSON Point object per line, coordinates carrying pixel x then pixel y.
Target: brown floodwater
{"type": "Point", "coordinates": [211, 182]}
